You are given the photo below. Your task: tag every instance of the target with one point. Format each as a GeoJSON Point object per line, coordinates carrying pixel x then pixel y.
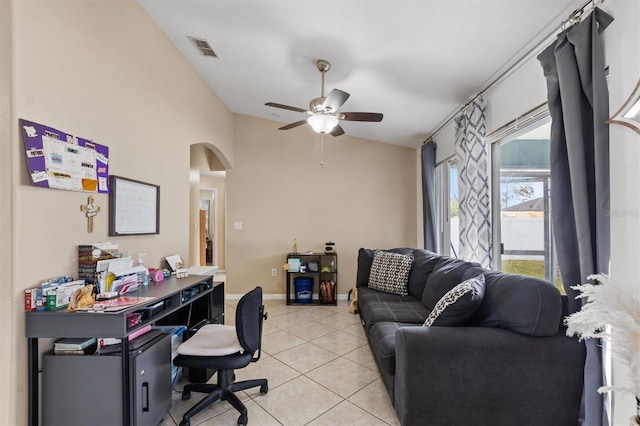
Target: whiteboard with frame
{"type": "Point", "coordinates": [134, 207]}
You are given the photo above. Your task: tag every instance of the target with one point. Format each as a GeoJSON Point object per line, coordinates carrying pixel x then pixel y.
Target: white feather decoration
{"type": "Point", "coordinates": [611, 312]}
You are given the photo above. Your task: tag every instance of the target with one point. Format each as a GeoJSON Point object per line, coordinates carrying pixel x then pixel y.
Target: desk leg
{"type": "Point", "coordinates": [34, 390]}
{"type": "Point", "coordinates": [126, 384]}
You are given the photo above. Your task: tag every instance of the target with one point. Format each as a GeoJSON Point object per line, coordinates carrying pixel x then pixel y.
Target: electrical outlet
{"type": "Point", "coordinates": [274, 272]}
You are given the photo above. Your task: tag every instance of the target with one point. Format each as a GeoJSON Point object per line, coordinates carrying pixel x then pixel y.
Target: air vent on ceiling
{"type": "Point", "coordinates": [203, 46]}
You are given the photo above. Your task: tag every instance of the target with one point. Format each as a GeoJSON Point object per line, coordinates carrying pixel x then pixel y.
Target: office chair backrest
{"type": "Point", "coordinates": [249, 319]}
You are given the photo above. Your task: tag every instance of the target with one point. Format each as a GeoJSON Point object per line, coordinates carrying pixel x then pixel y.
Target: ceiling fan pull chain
{"type": "Point", "coordinates": [321, 151]}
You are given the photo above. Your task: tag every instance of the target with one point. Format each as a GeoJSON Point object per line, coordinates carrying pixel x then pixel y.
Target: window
{"type": "Point", "coordinates": [447, 207]}
{"type": "Point", "coordinates": [523, 237]}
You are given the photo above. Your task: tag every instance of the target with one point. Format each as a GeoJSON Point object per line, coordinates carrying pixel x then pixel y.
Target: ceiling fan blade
{"type": "Point", "coordinates": [290, 108]}
{"type": "Point", "coordinates": [335, 99]}
{"type": "Point", "coordinates": [337, 131]}
{"type": "Point", "coordinates": [360, 116]}
{"type": "Point", "coordinates": [292, 125]}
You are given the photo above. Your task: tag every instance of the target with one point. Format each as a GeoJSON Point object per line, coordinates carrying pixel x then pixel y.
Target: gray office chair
{"type": "Point", "coordinates": [225, 348]}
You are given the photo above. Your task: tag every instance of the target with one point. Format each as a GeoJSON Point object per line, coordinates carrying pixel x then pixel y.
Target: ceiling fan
{"type": "Point", "coordinates": [323, 111]}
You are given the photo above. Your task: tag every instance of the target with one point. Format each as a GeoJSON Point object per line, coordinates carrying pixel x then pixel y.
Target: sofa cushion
{"type": "Point", "coordinates": [390, 272]}
{"type": "Point", "coordinates": [382, 340]}
{"type": "Point", "coordinates": [367, 295]}
{"type": "Point", "coordinates": [375, 306]}
{"type": "Point", "coordinates": [423, 263]}
{"type": "Point", "coordinates": [447, 274]}
{"type": "Point", "coordinates": [458, 304]}
{"type": "Point", "coordinates": [365, 258]}
{"type": "Point", "coordinates": [526, 305]}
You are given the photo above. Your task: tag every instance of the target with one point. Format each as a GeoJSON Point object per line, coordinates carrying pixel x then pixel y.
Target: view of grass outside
{"type": "Point", "coordinates": [532, 268]}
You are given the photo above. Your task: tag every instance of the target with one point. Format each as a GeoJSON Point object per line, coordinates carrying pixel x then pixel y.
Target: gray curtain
{"type": "Point", "coordinates": [473, 184]}
{"type": "Point", "coordinates": [579, 105]}
{"type": "Point", "coordinates": [428, 195]}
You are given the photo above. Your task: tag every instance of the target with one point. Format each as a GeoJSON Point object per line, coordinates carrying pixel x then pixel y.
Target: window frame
{"type": "Point", "coordinates": [443, 205]}
{"type": "Point", "coordinates": [535, 118]}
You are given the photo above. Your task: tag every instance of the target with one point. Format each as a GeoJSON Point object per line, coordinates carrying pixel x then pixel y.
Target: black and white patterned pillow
{"type": "Point", "coordinates": [460, 303]}
{"type": "Point", "coordinates": [390, 272]}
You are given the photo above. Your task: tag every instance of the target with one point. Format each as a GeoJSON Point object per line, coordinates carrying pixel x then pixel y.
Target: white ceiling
{"type": "Point", "coordinates": [415, 61]}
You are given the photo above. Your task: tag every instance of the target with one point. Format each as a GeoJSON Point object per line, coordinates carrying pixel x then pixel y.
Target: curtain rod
{"type": "Point", "coordinates": [574, 18]}
{"type": "Point", "coordinates": [524, 118]}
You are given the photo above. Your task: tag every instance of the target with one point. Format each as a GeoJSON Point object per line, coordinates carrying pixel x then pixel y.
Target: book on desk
{"type": "Point", "coordinates": [76, 346]}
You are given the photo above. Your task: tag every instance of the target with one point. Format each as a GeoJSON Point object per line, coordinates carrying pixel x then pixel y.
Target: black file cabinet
{"type": "Point", "coordinates": [94, 385]}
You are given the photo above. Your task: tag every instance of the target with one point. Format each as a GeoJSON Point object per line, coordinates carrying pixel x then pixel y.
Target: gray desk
{"type": "Point", "coordinates": [189, 300]}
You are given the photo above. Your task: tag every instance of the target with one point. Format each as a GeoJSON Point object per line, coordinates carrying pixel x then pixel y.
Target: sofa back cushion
{"type": "Point", "coordinates": [526, 305]}
{"type": "Point", "coordinates": [423, 263]}
{"type": "Point", "coordinates": [458, 304]}
{"type": "Point", "coordinates": [365, 259]}
{"type": "Point", "coordinates": [446, 275]}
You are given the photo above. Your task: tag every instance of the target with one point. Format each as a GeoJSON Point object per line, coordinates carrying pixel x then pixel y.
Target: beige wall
{"type": "Point", "coordinates": [364, 197]}
{"type": "Point", "coordinates": [8, 311]}
{"type": "Point", "coordinates": [104, 71]}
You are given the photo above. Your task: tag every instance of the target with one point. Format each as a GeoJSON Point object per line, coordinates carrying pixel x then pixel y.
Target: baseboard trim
{"type": "Point", "coordinates": [275, 296]}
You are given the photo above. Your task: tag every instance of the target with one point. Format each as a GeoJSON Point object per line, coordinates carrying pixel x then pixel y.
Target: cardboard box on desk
{"type": "Point", "coordinates": [35, 299]}
{"type": "Point", "coordinates": [58, 297]}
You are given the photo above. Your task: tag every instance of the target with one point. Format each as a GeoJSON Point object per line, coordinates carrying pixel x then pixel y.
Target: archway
{"type": "Point", "coordinates": [207, 206]}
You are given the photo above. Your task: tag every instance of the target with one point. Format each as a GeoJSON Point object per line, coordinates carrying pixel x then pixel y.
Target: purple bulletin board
{"type": "Point", "coordinates": [61, 160]}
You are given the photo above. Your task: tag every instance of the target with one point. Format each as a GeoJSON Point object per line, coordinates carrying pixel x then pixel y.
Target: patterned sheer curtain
{"type": "Point", "coordinates": [473, 184]}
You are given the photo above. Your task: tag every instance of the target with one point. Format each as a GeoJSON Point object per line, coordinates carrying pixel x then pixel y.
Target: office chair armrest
{"type": "Point", "coordinates": [263, 317]}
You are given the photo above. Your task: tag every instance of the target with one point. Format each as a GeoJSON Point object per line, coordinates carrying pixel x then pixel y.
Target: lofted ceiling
{"type": "Point", "coordinates": [415, 61]}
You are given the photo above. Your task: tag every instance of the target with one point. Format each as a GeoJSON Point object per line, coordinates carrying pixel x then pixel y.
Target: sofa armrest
{"type": "Point", "coordinates": [483, 375]}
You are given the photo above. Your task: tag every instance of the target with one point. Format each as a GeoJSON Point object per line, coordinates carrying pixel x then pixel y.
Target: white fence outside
{"type": "Point", "coordinates": [518, 233]}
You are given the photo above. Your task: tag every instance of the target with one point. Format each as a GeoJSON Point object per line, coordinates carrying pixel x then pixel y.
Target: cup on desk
{"type": "Point", "coordinates": [157, 275]}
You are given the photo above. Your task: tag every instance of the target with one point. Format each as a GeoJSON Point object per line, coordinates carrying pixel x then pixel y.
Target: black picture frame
{"type": "Point", "coordinates": [134, 207]}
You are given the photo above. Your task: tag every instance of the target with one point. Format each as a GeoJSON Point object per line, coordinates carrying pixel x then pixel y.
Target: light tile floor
{"type": "Point", "coordinates": [320, 371]}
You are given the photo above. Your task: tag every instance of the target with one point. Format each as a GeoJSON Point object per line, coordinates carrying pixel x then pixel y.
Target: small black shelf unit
{"type": "Point", "coordinates": [327, 262]}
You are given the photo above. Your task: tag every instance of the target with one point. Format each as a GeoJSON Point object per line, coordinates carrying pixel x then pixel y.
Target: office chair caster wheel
{"type": "Point", "coordinates": [242, 420]}
{"type": "Point", "coordinates": [185, 396]}
{"type": "Point", "coordinates": [264, 389]}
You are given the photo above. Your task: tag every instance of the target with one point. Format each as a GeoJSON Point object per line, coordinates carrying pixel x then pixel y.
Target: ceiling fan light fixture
{"type": "Point", "coordinates": [322, 123]}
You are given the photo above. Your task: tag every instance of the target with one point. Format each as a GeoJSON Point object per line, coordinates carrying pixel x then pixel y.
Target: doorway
{"type": "Point", "coordinates": [207, 207]}
{"type": "Point", "coordinates": [208, 226]}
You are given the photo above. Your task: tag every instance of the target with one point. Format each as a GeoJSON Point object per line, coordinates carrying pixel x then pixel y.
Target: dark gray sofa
{"type": "Point", "coordinates": [509, 363]}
